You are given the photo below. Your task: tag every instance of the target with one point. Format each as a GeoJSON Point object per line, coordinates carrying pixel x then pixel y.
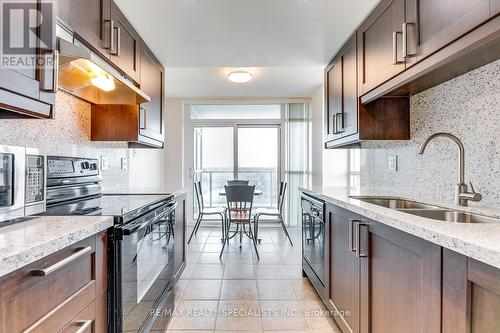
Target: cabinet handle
{"type": "Point", "coordinates": [350, 236]}
{"type": "Point", "coordinates": [55, 72]}
{"type": "Point", "coordinates": [53, 85]}
{"type": "Point", "coordinates": [60, 264]}
{"type": "Point", "coordinates": [334, 123]}
{"type": "Point", "coordinates": [405, 40]}
{"type": "Point", "coordinates": [340, 122]}
{"type": "Point", "coordinates": [110, 41]}
{"type": "Point", "coordinates": [359, 253]}
{"type": "Point", "coordinates": [144, 112]}
{"type": "Point", "coordinates": [118, 42]}
{"type": "Point", "coordinates": [395, 48]}
{"type": "Point", "coordinates": [84, 325]}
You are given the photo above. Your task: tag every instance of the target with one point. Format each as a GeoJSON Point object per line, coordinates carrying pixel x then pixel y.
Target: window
{"type": "Point", "coordinates": [228, 111]}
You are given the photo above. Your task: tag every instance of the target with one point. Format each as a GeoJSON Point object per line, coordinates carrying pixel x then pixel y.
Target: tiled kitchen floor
{"type": "Point", "coordinates": [243, 294]}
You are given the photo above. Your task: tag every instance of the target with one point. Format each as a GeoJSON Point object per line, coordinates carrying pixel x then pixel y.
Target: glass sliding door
{"type": "Point", "coordinates": [259, 161]}
{"type": "Point", "coordinates": [213, 161]}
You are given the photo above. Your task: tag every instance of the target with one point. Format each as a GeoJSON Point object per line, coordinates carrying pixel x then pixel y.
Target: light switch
{"type": "Point", "coordinates": [104, 163]}
{"type": "Point", "coordinates": [393, 162]}
{"type": "Point", "coordinates": [124, 163]}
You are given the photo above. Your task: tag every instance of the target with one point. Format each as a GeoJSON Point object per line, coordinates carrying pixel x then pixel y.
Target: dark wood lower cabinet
{"type": "Point", "coordinates": [471, 295]}
{"type": "Point", "coordinates": [400, 281]}
{"type": "Point", "coordinates": [180, 236]}
{"type": "Point", "coordinates": [70, 298]}
{"type": "Point", "coordinates": [344, 269]}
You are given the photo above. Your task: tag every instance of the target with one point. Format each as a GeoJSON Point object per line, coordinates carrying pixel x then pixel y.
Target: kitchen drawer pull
{"type": "Point", "coordinates": [111, 41]}
{"type": "Point", "coordinates": [340, 122]}
{"type": "Point", "coordinates": [60, 264]}
{"type": "Point", "coordinates": [395, 48]}
{"type": "Point", "coordinates": [144, 113]}
{"type": "Point", "coordinates": [406, 54]}
{"type": "Point", "coordinates": [359, 253]}
{"type": "Point", "coordinates": [350, 235]}
{"type": "Point", "coordinates": [84, 325]}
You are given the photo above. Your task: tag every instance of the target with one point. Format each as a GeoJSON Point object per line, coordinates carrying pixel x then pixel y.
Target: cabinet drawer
{"type": "Point", "coordinates": [84, 322]}
{"type": "Point", "coordinates": [45, 295]}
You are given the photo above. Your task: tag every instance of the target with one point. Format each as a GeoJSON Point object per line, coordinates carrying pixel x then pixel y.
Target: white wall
{"type": "Point", "coordinates": [328, 166]}
{"type": "Point", "coordinates": [174, 151]}
{"type": "Point", "coordinates": [316, 108]}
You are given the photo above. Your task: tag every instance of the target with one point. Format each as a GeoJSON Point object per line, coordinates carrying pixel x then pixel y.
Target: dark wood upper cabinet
{"type": "Point", "coordinates": [379, 45]}
{"type": "Point", "coordinates": [432, 24]}
{"type": "Point", "coordinates": [125, 51]}
{"type": "Point", "coordinates": [471, 295]}
{"type": "Point", "coordinates": [152, 83]}
{"type": "Point", "coordinates": [90, 20]}
{"type": "Point", "coordinates": [30, 92]}
{"type": "Point", "coordinates": [347, 122]}
{"type": "Point", "coordinates": [400, 281]}
{"type": "Point", "coordinates": [341, 93]}
{"type": "Point", "coordinates": [344, 268]}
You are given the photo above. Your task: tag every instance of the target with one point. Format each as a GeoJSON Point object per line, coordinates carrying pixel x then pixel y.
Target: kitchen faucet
{"type": "Point", "coordinates": [462, 195]}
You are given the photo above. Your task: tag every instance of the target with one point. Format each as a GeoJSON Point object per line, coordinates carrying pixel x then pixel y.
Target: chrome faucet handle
{"type": "Point", "coordinates": [472, 195]}
{"type": "Point", "coordinates": [472, 187]}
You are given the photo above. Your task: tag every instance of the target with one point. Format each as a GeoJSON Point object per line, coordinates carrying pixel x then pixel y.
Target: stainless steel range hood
{"type": "Point", "coordinates": [84, 74]}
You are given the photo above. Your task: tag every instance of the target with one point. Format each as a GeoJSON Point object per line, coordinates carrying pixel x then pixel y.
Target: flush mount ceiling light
{"type": "Point", "coordinates": [239, 76]}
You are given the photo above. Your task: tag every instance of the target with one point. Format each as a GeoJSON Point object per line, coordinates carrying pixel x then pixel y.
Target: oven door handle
{"type": "Point", "coordinates": [129, 230]}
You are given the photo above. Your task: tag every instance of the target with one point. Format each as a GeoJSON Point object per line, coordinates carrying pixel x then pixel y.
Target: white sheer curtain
{"type": "Point", "coordinates": [298, 164]}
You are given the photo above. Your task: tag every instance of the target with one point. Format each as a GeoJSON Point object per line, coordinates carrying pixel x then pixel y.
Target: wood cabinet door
{"type": "Point", "coordinates": [26, 88]}
{"type": "Point", "coordinates": [341, 93]}
{"type": "Point", "coordinates": [471, 295]}
{"type": "Point", "coordinates": [400, 281]}
{"type": "Point", "coordinates": [90, 19]}
{"type": "Point", "coordinates": [380, 45]}
{"type": "Point", "coordinates": [152, 83]}
{"type": "Point", "coordinates": [125, 53]}
{"type": "Point", "coordinates": [432, 24]}
{"type": "Point", "coordinates": [344, 269]}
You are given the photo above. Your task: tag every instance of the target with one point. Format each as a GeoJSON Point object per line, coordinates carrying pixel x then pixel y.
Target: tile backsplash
{"type": "Point", "coordinates": [468, 107]}
{"type": "Point", "coordinates": [68, 135]}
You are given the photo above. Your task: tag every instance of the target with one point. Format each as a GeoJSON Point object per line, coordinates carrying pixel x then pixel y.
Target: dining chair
{"type": "Point", "coordinates": [237, 182]}
{"type": "Point", "coordinates": [202, 212]}
{"type": "Point", "coordinates": [273, 212]}
{"type": "Point", "coordinates": [239, 212]}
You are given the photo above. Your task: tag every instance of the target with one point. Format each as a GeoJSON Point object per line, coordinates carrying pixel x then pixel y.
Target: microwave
{"type": "Point", "coordinates": [22, 182]}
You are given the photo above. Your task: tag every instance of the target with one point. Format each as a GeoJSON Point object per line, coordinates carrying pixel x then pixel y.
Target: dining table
{"type": "Point", "coordinates": [256, 192]}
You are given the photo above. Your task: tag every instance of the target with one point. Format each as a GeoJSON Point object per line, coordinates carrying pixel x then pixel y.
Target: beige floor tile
{"type": "Point", "coordinates": [202, 290]}
{"type": "Point", "coordinates": [304, 290]}
{"type": "Point", "coordinates": [194, 315]}
{"type": "Point", "coordinates": [283, 315]}
{"type": "Point", "coordinates": [294, 271]}
{"type": "Point", "coordinates": [238, 316]}
{"type": "Point", "coordinates": [211, 258]}
{"type": "Point", "coordinates": [238, 271]}
{"type": "Point", "coordinates": [240, 258]}
{"type": "Point", "coordinates": [275, 290]}
{"type": "Point", "coordinates": [212, 247]}
{"type": "Point", "coordinates": [239, 290]}
{"type": "Point", "coordinates": [208, 271]}
{"type": "Point", "coordinates": [270, 272]}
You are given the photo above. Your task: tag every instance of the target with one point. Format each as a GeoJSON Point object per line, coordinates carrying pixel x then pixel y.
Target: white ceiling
{"type": "Point", "coordinates": [285, 42]}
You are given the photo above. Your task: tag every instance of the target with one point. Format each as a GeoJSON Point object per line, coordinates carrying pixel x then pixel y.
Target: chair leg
{"type": "Point", "coordinates": [223, 222]}
{"type": "Point", "coordinates": [198, 221]}
{"type": "Point", "coordinates": [256, 228]}
{"type": "Point", "coordinates": [285, 230]}
{"type": "Point", "coordinates": [226, 238]}
{"type": "Point", "coordinates": [254, 240]}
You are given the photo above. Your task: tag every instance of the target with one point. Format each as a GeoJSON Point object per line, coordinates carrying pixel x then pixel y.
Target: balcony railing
{"type": "Point", "coordinates": [213, 181]}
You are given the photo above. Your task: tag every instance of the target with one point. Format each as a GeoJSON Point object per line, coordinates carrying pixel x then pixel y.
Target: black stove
{"type": "Point", "coordinates": [140, 247]}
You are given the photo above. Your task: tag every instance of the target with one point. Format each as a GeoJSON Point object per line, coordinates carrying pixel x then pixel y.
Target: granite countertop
{"type": "Point", "coordinates": [25, 242]}
{"type": "Point", "coordinates": [480, 241]}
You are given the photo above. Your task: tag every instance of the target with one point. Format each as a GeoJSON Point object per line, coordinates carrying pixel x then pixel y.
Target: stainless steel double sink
{"type": "Point", "coordinates": [426, 210]}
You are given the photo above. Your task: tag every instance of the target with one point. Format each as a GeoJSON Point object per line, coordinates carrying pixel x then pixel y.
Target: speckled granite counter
{"type": "Point", "coordinates": [25, 242]}
{"type": "Point", "coordinates": [480, 241]}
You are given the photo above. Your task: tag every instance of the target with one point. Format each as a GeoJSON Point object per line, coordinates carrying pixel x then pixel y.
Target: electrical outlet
{"type": "Point", "coordinates": [104, 163]}
{"type": "Point", "coordinates": [124, 163]}
{"type": "Point", "coordinates": [393, 162]}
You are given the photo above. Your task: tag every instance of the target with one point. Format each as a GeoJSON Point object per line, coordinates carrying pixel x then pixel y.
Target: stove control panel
{"type": "Point", "coordinates": [61, 167]}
